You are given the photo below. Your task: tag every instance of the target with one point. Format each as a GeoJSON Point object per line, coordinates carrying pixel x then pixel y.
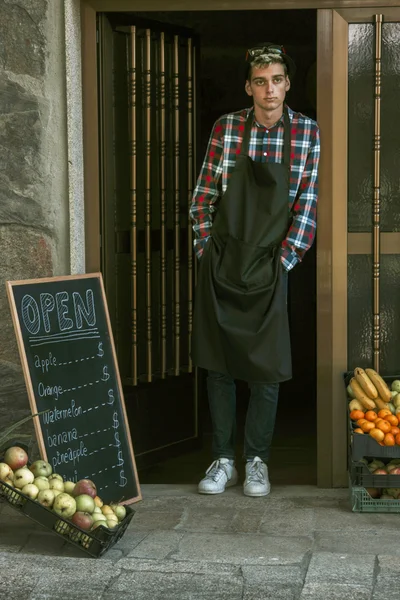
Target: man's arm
{"type": "Point", "coordinates": [301, 233]}
{"type": "Point", "coordinates": [208, 190]}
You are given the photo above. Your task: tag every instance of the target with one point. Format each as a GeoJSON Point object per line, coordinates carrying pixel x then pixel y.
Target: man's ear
{"type": "Point", "coordinates": [287, 87]}
{"type": "Point", "coordinates": [247, 87]}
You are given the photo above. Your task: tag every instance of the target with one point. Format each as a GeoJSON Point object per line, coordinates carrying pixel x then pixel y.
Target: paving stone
{"type": "Point", "coordinates": [43, 543]}
{"type": "Point", "coordinates": [259, 576]}
{"type": "Point", "coordinates": [386, 589]}
{"type": "Point", "coordinates": [275, 591]}
{"type": "Point", "coordinates": [206, 518]}
{"type": "Point", "coordinates": [331, 519]}
{"type": "Point", "coordinates": [246, 522]}
{"type": "Point", "coordinates": [346, 568]}
{"type": "Point", "coordinates": [335, 591]}
{"type": "Point", "coordinates": [148, 520]}
{"type": "Point", "coordinates": [318, 502]}
{"type": "Point", "coordinates": [242, 549]}
{"type": "Point", "coordinates": [300, 521]}
{"type": "Point", "coordinates": [358, 542]}
{"type": "Point", "coordinates": [158, 544]}
{"type": "Point", "coordinates": [142, 585]}
{"type": "Point", "coordinates": [389, 566]}
{"type": "Point", "coordinates": [85, 593]}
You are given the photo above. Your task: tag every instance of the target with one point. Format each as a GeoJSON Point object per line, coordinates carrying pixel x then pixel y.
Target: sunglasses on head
{"type": "Point", "coordinates": [252, 53]}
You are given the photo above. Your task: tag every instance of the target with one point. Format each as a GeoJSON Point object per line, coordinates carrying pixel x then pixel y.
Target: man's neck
{"type": "Point", "coordinates": [267, 118]}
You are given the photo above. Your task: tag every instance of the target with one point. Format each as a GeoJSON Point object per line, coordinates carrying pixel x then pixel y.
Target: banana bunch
{"type": "Point", "coordinates": [368, 391]}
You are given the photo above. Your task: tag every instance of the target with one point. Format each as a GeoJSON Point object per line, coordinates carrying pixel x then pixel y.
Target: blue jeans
{"type": "Point", "coordinates": [260, 418]}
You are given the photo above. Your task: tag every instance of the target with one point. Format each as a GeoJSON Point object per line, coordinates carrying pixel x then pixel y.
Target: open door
{"type": "Point", "coordinates": [147, 105]}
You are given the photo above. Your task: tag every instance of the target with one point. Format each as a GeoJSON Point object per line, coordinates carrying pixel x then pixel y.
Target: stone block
{"type": "Point", "coordinates": [242, 549]}
{"type": "Point", "coordinates": [335, 591]}
{"type": "Point", "coordinates": [148, 520]}
{"type": "Point", "coordinates": [206, 518]}
{"type": "Point", "coordinates": [22, 38]}
{"type": "Point", "coordinates": [346, 568]}
{"type": "Point", "coordinates": [157, 545]}
{"type": "Point", "coordinates": [246, 522]}
{"type": "Point", "coordinates": [357, 542]}
{"type": "Point", "coordinates": [300, 521]}
{"type": "Point", "coordinates": [339, 519]}
{"type": "Point", "coordinates": [389, 566]}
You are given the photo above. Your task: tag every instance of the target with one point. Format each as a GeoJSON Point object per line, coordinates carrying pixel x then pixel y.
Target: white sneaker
{"type": "Point", "coordinates": [219, 475]}
{"type": "Point", "coordinates": [257, 482]}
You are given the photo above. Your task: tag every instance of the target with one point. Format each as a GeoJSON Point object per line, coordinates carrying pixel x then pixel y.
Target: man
{"type": "Point", "coordinates": [254, 217]}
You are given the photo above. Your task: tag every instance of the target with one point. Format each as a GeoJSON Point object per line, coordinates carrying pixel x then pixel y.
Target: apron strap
{"type": "Point", "coordinates": [286, 136]}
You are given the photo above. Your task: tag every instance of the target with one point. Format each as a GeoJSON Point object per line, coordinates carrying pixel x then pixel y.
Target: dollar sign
{"type": "Point", "coordinates": [120, 459]}
{"type": "Point", "coordinates": [106, 375]}
{"type": "Point", "coordinates": [110, 397]}
{"type": "Point", "coordinates": [115, 420]}
{"type": "Point", "coordinates": [100, 349]}
{"type": "Point", "coordinates": [116, 438]}
{"type": "Point", "coordinates": [122, 479]}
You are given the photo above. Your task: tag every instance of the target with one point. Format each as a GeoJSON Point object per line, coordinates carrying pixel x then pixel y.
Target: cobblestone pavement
{"type": "Point", "coordinates": [299, 543]}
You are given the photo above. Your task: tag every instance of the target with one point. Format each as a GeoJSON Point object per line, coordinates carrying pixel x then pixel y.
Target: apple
{"type": "Point", "coordinates": [55, 476]}
{"type": "Point", "coordinates": [396, 386]}
{"type": "Point", "coordinates": [16, 457]}
{"type": "Point", "coordinates": [84, 503]}
{"type": "Point", "coordinates": [380, 472]}
{"type": "Point", "coordinates": [22, 477]}
{"type": "Point", "coordinates": [111, 523]}
{"type": "Point", "coordinates": [6, 471]}
{"type": "Point", "coordinates": [69, 487]}
{"type": "Point", "coordinates": [41, 482]}
{"type": "Point", "coordinates": [107, 510]}
{"type": "Point", "coordinates": [56, 493]}
{"type": "Point", "coordinates": [85, 486]}
{"type": "Point", "coordinates": [97, 510]}
{"type": "Point", "coordinates": [30, 490]}
{"type": "Point", "coordinates": [97, 524]}
{"type": "Point", "coordinates": [46, 498]}
{"type": "Point", "coordinates": [64, 505]}
{"type": "Point", "coordinates": [98, 501]}
{"type": "Point", "coordinates": [99, 517]}
{"type": "Point", "coordinates": [119, 510]}
{"type": "Point", "coordinates": [41, 468]}
{"type": "Point", "coordinates": [82, 519]}
{"type": "Point", "coordinates": [112, 518]}
{"type": "Point", "coordinates": [373, 492]}
{"type": "Point", "coordinates": [395, 471]}
{"type": "Point", "coordinates": [56, 484]}
{"type": "Point", "coordinates": [387, 497]}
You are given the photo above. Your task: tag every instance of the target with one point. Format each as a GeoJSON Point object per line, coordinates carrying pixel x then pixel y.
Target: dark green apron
{"type": "Point", "coordinates": [240, 324]}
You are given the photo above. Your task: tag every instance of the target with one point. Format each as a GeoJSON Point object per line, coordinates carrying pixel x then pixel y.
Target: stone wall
{"type": "Point", "coordinates": [33, 167]}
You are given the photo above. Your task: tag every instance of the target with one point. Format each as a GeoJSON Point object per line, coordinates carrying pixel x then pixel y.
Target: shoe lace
{"type": "Point", "coordinates": [216, 470]}
{"type": "Point", "coordinates": [256, 472]}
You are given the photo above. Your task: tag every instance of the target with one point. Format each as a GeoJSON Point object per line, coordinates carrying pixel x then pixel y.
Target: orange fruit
{"type": "Point", "coordinates": [389, 440]}
{"type": "Point", "coordinates": [356, 414]}
{"type": "Point", "coordinates": [393, 420]}
{"type": "Point", "coordinates": [377, 434]}
{"type": "Point", "coordinates": [367, 426]}
{"type": "Point", "coordinates": [381, 443]}
{"type": "Point", "coordinates": [384, 412]}
{"type": "Point", "coordinates": [385, 426]}
{"type": "Point", "coordinates": [394, 431]}
{"type": "Point", "coordinates": [397, 438]}
{"type": "Point", "coordinates": [370, 415]}
{"type": "Point", "coordinates": [358, 430]}
{"type": "Point", "coordinates": [361, 421]}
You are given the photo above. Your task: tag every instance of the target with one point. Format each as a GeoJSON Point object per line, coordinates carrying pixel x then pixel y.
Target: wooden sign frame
{"type": "Point", "coordinates": [21, 348]}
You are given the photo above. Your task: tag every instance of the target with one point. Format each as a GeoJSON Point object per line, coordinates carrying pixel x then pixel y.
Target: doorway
{"type": "Point", "coordinates": [175, 401]}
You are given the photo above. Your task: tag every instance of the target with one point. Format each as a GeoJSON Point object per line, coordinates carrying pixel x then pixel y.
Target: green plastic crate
{"type": "Point", "coordinates": [361, 501]}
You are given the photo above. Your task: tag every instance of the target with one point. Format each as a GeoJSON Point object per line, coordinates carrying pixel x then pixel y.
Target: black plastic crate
{"type": "Point", "coordinates": [361, 476]}
{"type": "Point", "coordinates": [364, 445]}
{"type": "Point", "coordinates": [95, 543]}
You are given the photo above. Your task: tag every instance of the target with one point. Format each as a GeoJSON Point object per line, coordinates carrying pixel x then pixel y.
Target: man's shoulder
{"type": "Point", "coordinates": [233, 118]}
{"type": "Point", "coordinates": [303, 121]}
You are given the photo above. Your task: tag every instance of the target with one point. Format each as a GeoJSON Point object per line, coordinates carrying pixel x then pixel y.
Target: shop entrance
{"type": "Point", "coordinates": [164, 78]}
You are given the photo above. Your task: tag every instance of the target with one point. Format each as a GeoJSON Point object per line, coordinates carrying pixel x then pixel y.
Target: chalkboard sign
{"type": "Point", "coordinates": [68, 357]}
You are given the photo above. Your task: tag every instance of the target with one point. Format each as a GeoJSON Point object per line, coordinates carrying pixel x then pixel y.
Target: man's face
{"type": "Point", "coordinates": [268, 86]}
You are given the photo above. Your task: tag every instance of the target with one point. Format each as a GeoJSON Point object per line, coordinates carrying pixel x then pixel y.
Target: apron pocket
{"type": "Point", "coordinates": [245, 266]}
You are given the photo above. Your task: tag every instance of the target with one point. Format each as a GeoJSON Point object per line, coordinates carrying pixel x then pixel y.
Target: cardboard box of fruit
{"type": "Point", "coordinates": [73, 510]}
{"type": "Point", "coordinates": [373, 405]}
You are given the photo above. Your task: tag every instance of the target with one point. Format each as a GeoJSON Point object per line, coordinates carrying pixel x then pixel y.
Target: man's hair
{"type": "Point", "coordinates": [265, 60]}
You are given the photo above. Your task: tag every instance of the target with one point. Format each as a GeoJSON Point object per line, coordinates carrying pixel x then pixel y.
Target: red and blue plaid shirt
{"type": "Point", "coordinates": [266, 145]}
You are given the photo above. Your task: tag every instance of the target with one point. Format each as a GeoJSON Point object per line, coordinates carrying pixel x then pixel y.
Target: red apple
{"type": "Point", "coordinates": [85, 486]}
{"type": "Point", "coordinates": [380, 472]}
{"type": "Point", "coordinates": [395, 471]}
{"type": "Point", "coordinates": [374, 492]}
{"type": "Point", "coordinates": [82, 519]}
{"type": "Point", "coordinates": [16, 457]}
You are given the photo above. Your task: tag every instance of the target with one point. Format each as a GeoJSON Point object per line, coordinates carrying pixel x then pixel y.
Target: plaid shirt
{"type": "Point", "coordinates": [265, 146]}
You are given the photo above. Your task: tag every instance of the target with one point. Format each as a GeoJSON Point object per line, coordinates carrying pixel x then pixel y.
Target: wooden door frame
{"type": "Point", "coordinates": [332, 53]}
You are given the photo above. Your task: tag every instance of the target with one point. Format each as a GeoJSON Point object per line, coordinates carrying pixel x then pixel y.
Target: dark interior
{"type": "Point", "coordinates": [223, 38]}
